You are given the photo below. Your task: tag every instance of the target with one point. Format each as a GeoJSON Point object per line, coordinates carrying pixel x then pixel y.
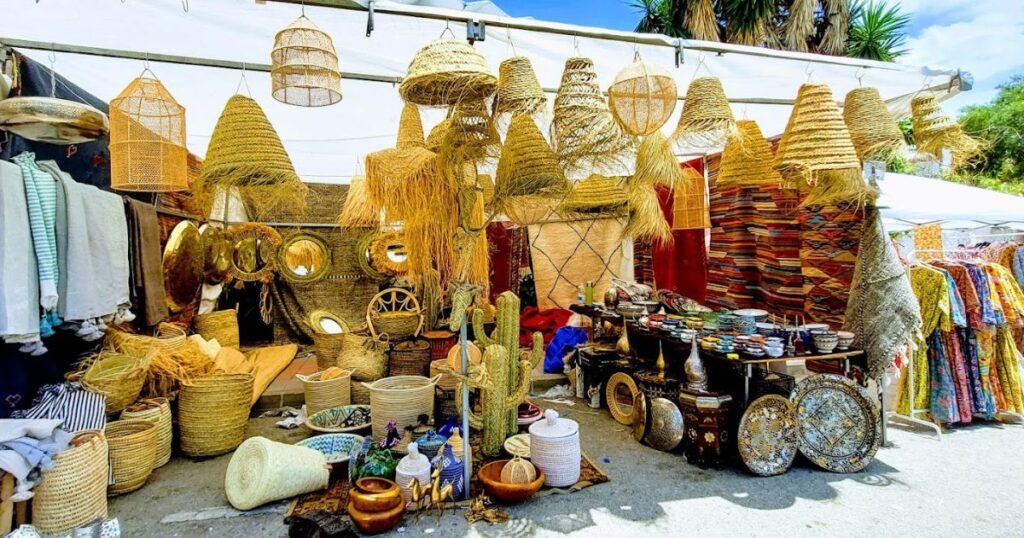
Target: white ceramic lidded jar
{"type": "Point", "coordinates": [555, 449]}
{"type": "Point", "coordinates": [413, 466]}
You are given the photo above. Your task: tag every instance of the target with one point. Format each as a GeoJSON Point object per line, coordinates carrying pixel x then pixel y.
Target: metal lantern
{"type": "Point", "coordinates": [304, 66]}
{"type": "Point", "coordinates": [147, 139]}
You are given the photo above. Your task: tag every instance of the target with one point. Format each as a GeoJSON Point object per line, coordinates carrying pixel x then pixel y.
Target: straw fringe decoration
{"type": "Point", "coordinates": [656, 164]}
{"type": "Point", "coordinates": [398, 179]}
{"type": "Point", "coordinates": [358, 212]}
{"type": "Point", "coordinates": [701, 21]}
{"type": "Point", "coordinates": [304, 66]}
{"type": "Point", "coordinates": [934, 131]}
{"type": "Point", "coordinates": [707, 119]}
{"type": "Point", "coordinates": [596, 195]}
{"type": "Point", "coordinates": [799, 25]}
{"type": "Point", "coordinates": [528, 170]}
{"type": "Point", "coordinates": [690, 203]}
{"type": "Point", "coordinates": [176, 359]}
{"type": "Point", "coordinates": [874, 131]}
{"type": "Point", "coordinates": [642, 97]}
{"type": "Point", "coordinates": [519, 92]}
{"type": "Point", "coordinates": [147, 139]}
{"type": "Point", "coordinates": [447, 72]}
{"type": "Point", "coordinates": [747, 159]}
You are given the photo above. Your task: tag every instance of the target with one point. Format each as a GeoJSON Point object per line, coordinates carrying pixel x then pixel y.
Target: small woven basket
{"type": "Point", "coordinates": [320, 394]}
{"type": "Point", "coordinates": [222, 325]}
{"type": "Point", "coordinates": [262, 471]}
{"type": "Point", "coordinates": [157, 411]}
{"type": "Point", "coordinates": [400, 399]}
{"type": "Point", "coordinates": [327, 348]}
{"type": "Point", "coordinates": [73, 492]}
{"type": "Point", "coordinates": [117, 376]}
{"type": "Point", "coordinates": [397, 325]}
{"type": "Point", "coordinates": [366, 357]}
{"type": "Point", "coordinates": [212, 413]}
{"type": "Point", "coordinates": [410, 358]}
{"type": "Point", "coordinates": [132, 445]}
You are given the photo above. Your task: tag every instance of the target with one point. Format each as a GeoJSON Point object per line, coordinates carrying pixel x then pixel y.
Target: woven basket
{"type": "Point", "coordinates": [519, 92]}
{"type": "Point", "coordinates": [643, 97]}
{"type": "Point", "coordinates": [147, 139]}
{"type": "Point", "coordinates": [262, 471]}
{"type": "Point", "coordinates": [327, 348]}
{"type": "Point", "coordinates": [304, 66]}
{"type": "Point", "coordinates": [410, 358]}
{"type": "Point", "coordinates": [874, 131]}
{"type": "Point", "coordinates": [212, 413]}
{"type": "Point", "coordinates": [366, 357]}
{"type": "Point", "coordinates": [73, 492]}
{"type": "Point", "coordinates": [401, 399]}
{"type": "Point", "coordinates": [222, 325]}
{"type": "Point", "coordinates": [396, 325]}
{"type": "Point", "coordinates": [320, 395]}
{"type": "Point", "coordinates": [446, 72]}
{"type": "Point", "coordinates": [132, 445]}
{"type": "Point", "coordinates": [440, 342]}
{"type": "Point", "coordinates": [157, 411]}
{"type": "Point", "coordinates": [707, 118]}
{"type": "Point", "coordinates": [446, 380]}
{"type": "Point", "coordinates": [117, 376]}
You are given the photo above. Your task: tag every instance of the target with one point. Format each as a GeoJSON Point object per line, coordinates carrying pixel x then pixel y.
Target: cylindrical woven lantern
{"type": "Point", "coordinates": [935, 131]}
{"type": "Point", "coordinates": [519, 92]}
{"type": "Point", "coordinates": [874, 131]}
{"type": "Point", "coordinates": [304, 66]}
{"type": "Point", "coordinates": [642, 97]}
{"type": "Point", "coordinates": [147, 139]}
{"type": "Point", "coordinates": [527, 168]}
{"type": "Point", "coordinates": [707, 118]}
{"type": "Point", "coordinates": [690, 203]}
{"type": "Point", "coordinates": [446, 72]}
{"type": "Point", "coordinates": [747, 158]}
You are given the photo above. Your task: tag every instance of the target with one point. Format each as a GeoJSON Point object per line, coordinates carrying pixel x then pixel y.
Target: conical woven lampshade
{"type": "Point", "coordinates": [470, 135]}
{"type": "Point", "coordinates": [596, 195]}
{"type": "Point", "coordinates": [394, 174]}
{"type": "Point", "coordinates": [446, 72]}
{"type": "Point", "coordinates": [147, 139]}
{"type": "Point", "coordinates": [519, 92]}
{"type": "Point", "coordinates": [304, 66]}
{"type": "Point", "coordinates": [747, 158]}
{"type": "Point", "coordinates": [935, 131]}
{"type": "Point", "coordinates": [707, 118]}
{"type": "Point", "coordinates": [690, 202]}
{"type": "Point", "coordinates": [527, 169]}
{"type": "Point", "coordinates": [874, 131]}
{"type": "Point", "coordinates": [584, 132]}
{"type": "Point", "coordinates": [642, 97]}
{"type": "Point", "coordinates": [357, 211]}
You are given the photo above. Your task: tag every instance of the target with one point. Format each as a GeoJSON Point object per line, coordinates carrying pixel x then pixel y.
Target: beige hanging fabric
{"type": "Point", "coordinates": [447, 72]}
{"type": "Point", "coordinates": [747, 159]}
{"type": "Point", "coordinates": [147, 139]}
{"type": "Point", "coordinates": [874, 131]}
{"type": "Point", "coordinates": [707, 118]}
{"type": "Point", "coordinates": [935, 131]}
{"type": "Point", "coordinates": [304, 66]}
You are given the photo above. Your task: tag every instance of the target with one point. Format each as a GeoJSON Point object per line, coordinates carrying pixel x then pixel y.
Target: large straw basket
{"type": "Point", "coordinates": [212, 413]}
{"type": "Point", "coordinates": [262, 471]}
{"type": "Point", "coordinates": [327, 348]}
{"type": "Point", "coordinates": [325, 394]}
{"type": "Point", "coordinates": [410, 358]}
{"type": "Point", "coordinates": [446, 72]}
{"type": "Point", "coordinates": [132, 445]}
{"type": "Point", "coordinates": [396, 325]}
{"type": "Point", "coordinates": [401, 399]}
{"type": "Point", "coordinates": [74, 491]}
{"type": "Point", "coordinates": [222, 325]}
{"type": "Point", "coordinates": [304, 66]}
{"type": "Point", "coordinates": [157, 411]}
{"type": "Point", "coordinates": [147, 139]}
{"type": "Point", "coordinates": [117, 376]}
{"type": "Point", "coordinates": [366, 357]}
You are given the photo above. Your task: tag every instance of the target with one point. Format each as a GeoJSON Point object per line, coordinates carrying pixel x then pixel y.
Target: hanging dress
{"type": "Point", "coordinates": [930, 288]}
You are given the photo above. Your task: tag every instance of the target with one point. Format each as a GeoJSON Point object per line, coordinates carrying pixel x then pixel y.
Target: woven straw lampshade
{"type": "Point", "coordinates": [147, 139]}
{"type": "Point", "coordinates": [707, 118]}
{"type": "Point", "coordinates": [395, 173]}
{"type": "Point", "coordinates": [874, 131]}
{"type": "Point", "coordinates": [747, 159]}
{"type": "Point", "coordinates": [935, 131]}
{"type": "Point", "coordinates": [357, 211]}
{"type": "Point", "coordinates": [690, 203]}
{"type": "Point", "coordinates": [584, 131]}
{"type": "Point", "coordinates": [446, 72]}
{"type": "Point", "coordinates": [596, 195]}
{"type": "Point", "coordinates": [470, 135]}
{"type": "Point", "coordinates": [528, 171]}
{"type": "Point", "coordinates": [642, 97]}
{"type": "Point", "coordinates": [519, 92]}
{"type": "Point", "coordinates": [304, 66]}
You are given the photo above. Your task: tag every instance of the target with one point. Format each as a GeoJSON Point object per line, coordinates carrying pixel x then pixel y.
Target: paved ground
{"type": "Point", "coordinates": [969, 484]}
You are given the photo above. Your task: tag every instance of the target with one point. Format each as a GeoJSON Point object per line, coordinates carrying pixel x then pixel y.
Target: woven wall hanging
{"type": "Point", "coordinates": [396, 177]}
{"type": "Point", "coordinates": [935, 131]}
{"type": "Point", "coordinates": [304, 66]}
{"type": "Point", "coordinates": [747, 159]}
{"type": "Point", "coordinates": [519, 92]}
{"type": "Point", "coordinates": [147, 139]}
{"type": "Point", "coordinates": [528, 171]}
{"type": "Point", "coordinates": [690, 204]}
{"type": "Point", "coordinates": [874, 131]}
{"type": "Point", "coordinates": [446, 72]}
{"type": "Point", "coordinates": [707, 118]}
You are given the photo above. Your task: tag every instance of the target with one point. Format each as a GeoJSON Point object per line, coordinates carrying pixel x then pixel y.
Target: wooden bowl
{"type": "Point", "coordinates": [374, 522]}
{"type": "Point", "coordinates": [372, 495]}
{"type": "Point", "coordinates": [490, 476]}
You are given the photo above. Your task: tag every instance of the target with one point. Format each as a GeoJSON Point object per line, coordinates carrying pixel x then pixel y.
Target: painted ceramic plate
{"type": "Point", "coordinates": [768, 436]}
{"type": "Point", "coordinates": [837, 422]}
{"type": "Point", "coordinates": [337, 447]}
{"type": "Point", "coordinates": [347, 418]}
{"type": "Point", "coordinates": [518, 445]}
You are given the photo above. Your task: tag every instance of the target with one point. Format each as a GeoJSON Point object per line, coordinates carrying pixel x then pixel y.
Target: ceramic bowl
{"type": "Point", "coordinates": [756, 313]}
{"type": "Point", "coordinates": [767, 329]}
{"type": "Point", "coordinates": [774, 352]}
{"type": "Point", "coordinates": [773, 340]}
{"type": "Point", "coordinates": [755, 352]}
{"type": "Point", "coordinates": [650, 306]}
{"type": "Point", "coordinates": [336, 447]}
{"type": "Point", "coordinates": [490, 477]}
{"type": "Point", "coordinates": [375, 495]}
{"type": "Point", "coordinates": [845, 339]}
{"type": "Point", "coordinates": [825, 343]}
{"type": "Point", "coordinates": [336, 419]}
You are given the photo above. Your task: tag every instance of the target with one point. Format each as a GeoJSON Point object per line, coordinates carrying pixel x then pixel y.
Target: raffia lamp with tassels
{"type": "Point", "coordinates": [690, 202]}
{"type": "Point", "coordinates": [707, 118]}
{"type": "Point", "coordinates": [935, 131]}
{"type": "Point", "coordinates": [447, 72]}
{"type": "Point", "coordinates": [528, 175]}
{"type": "Point", "coordinates": [874, 131]}
{"type": "Point", "coordinates": [519, 92]}
{"type": "Point", "coordinates": [395, 173]}
{"type": "Point", "coordinates": [747, 159]}
{"type": "Point", "coordinates": [816, 150]}
{"type": "Point", "coordinates": [147, 139]}
{"type": "Point", "coordinates": [357, 212]}
{"type": "Point", "coordinates": [304, 66]}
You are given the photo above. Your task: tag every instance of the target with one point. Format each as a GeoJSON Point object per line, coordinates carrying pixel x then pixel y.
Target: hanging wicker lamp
{"type": "Point", "coordinates": [690, 202]}
{"type": "Point", "coordinates": [469, 136]}
{"type": "Point", "coordinates": [147, 139]}
{"type": "Point", "coordinates": [446, 72]}
{"type": "Point", "coordinates": [747, 159]}
{"type": "Point", "coordinates": [596, 195]}
{"type": "Point", "coordinates": [935, 131]}
{"type": "Point", "coordinates": [519, 92]}
{"type": "Point", "coordinates": [642, 97]}
{"type": "Point", "coordinates": [357, 212]}
{"type": "Point", "coordinates": [394, 176]}
{"type": "Point", "coordinates": [707, 118]}
{"type": "Point", "coordinates": [304, 66]}
{"type": "Point", "coordinates": [528, 171]}
{"type": "Point", "coordinates": [874, 131]}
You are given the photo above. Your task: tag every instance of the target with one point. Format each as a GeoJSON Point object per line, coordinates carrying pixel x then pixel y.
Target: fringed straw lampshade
{"type": "Point", "coordinates": [528, 172]}
{"type": "Point", "coordinates": [816, 149]}
{"type": "Point", "coordinates": [747, 159]}
{"type": "Point", "coordinates": [393, 174]}
{"type": "Point", "coordinates": [935, 131]}
{"type": "Point", "coordinates": [519, 92]}
{"type": "Point", "coordinates": [446, 72]}
{"type": "Point", "coordinates": [690, 203]}
{"type": "Point", "coordinates": [584, 132]}
{"type": "Point", "coordinates": [707, 118]}
{"type": "Point", "coordinates": [874, 131]}
{"type": "Point", "coordinates": [470, 135]}
{"type": "Point", "coordinates": [147, 139]}
{"type": "Point", "coordinates": [596, 195]}
{"type": "Point", "coordinates": [642, 97]}
{"type": "Point", "coordinates": [304, 66]}
{"type": "Point", "coordinates": [357, 211]}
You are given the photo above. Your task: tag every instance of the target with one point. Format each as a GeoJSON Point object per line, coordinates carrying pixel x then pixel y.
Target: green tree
{"type": "Point", "coordinates": [1001, 122]}
{"type": "Point", "coordinates": [878, 31]}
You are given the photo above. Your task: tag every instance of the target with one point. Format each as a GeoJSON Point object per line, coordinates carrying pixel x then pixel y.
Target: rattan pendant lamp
{"type": "Point", "coordinates": [304, 65]}
{"type": "Point", "coordinates": [147, 138]}
{"type": "Point", "coordinates": [935, 131]}
{"type": "Point", "coordinates": [446, 72]}
{"type": "Point", "coordinates": [874, 131]}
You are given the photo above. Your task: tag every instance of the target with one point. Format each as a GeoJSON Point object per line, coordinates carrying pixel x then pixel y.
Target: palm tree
{"type": "Point", "coordinates": [878, 31]}
{"type": "Point", "coordinates": [751, 22]}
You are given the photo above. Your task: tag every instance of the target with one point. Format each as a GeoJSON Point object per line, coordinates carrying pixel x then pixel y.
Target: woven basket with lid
{"type": "Point", "coordinates": [555, 449]}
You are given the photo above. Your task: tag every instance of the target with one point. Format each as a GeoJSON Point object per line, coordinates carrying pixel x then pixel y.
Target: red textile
{"type": "Point", "coordinates": [508, 251]}
{"type": "Point", "coordinates": [548, 321]}
{"type": "Point", "coordinates": [683, 265]}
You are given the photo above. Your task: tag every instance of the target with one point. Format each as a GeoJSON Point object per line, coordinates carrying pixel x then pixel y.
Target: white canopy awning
{"type": "Point", "coordinates": [910, 200]}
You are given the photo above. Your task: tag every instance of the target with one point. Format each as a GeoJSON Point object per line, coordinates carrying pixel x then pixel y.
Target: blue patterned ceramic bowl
{"type": "Point", "coordinates": [335, 446]}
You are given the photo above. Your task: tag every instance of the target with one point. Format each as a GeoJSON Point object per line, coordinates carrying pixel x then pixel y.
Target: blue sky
{"type": "Point", "coordinates": [983, 37]}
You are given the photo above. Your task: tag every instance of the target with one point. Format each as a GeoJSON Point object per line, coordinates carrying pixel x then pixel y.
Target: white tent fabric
{"type": "Point", "coordinates": [910, 200]}
{"type": "Point", "coordinates": [327, 144]}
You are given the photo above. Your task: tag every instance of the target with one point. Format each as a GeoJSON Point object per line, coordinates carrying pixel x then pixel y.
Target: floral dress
{"type": "Point", "coordinates": [944, 392]}
{"type": "Point", "coordinates": [931, 289]}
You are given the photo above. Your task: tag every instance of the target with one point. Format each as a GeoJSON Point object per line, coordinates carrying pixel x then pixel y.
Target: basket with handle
{"type": "Point", "coordinates": [365, 356]}
{"type": "Point", "coordinates": [157, 411]}
{"type": "Point", "coordinates": [212, 413]}
{"type": "Point", "coordinates": [74, 491]}
{"type": "Point", "coordinates": [132, 445]}
{"type": "Point", "coordinates": [402, 399]}
{"type": "Point", "coordinates": [222, 325]}
{"type": "Point", "coordinates": [324, 394]}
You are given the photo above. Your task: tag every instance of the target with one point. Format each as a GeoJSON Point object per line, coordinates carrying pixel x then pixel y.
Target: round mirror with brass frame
{"type": "Point", "coordinates": [254, 254]}
{"type": "Point", "coordinates": [621, 393]}
{"type": "Point", "coordinates": [217, 253]}
{"type": "Point", "coordinates": [326, 322]}
{"type": "Point", "coordinates": [183, 266]}
{"type": "Point", "coordinates": [304, 257]}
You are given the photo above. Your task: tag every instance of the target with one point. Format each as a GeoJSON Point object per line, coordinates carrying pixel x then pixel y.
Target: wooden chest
{"type": "Point", "coordinates": [706, 439]}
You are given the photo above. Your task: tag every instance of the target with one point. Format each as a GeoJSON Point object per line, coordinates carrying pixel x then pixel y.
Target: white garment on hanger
{"type": "Point", "coordinates": [19, 277]}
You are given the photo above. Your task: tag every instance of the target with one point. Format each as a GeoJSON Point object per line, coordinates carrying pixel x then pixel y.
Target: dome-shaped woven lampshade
{"type": "Point", "coordinates": [935, 131]}
{"type": "Point", "coordinates": [527, 169]}
{"type": "Point", "coordinates": [147, 139]}
{"type": "Point", "coordinates": [304, 66]}
{"type": "Point", "coordinates": [690, 202]}
{"type": "Point", "coordinates": [52, 120]}
{"type": "Point", "coordinates": [395, 173]}
{"type": "Point", "coordinates": [642, 97]}
{"type": "Point", "coordinates": [596, 195]}
{"type": "Point", "coordinates": [874, 131]}
{"type": "Point", "coordinates": [707, 118]}
{"type": "Point", "coordinates": [747, 158]}
{"type": "Point", "coordinates": [446, 72]}
{"type": "Point", "coordinates": [519, 92]}
{"type": "Point", "coordinates": [584, 132]}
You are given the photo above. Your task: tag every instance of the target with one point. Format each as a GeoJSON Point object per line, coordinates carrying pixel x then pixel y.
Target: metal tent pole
{"type": "Point", "coordinates": [467, 463]}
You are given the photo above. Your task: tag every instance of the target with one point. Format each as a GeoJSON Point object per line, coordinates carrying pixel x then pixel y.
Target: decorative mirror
{"type": "Point", "coordinates": [217, 252]}
{"type": "Point", "coordinates": [326, 322]}
{"type": "Point", "coordinates": [183, 266]}
{"type": "Point", "coordinates": [304, 258]}
{"type": "Point", "coordinates": [254, 254]}
{"type": "Point", "coordinates": [388, 254]}
{"type": "Point", "coordinates": [621, 394]}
